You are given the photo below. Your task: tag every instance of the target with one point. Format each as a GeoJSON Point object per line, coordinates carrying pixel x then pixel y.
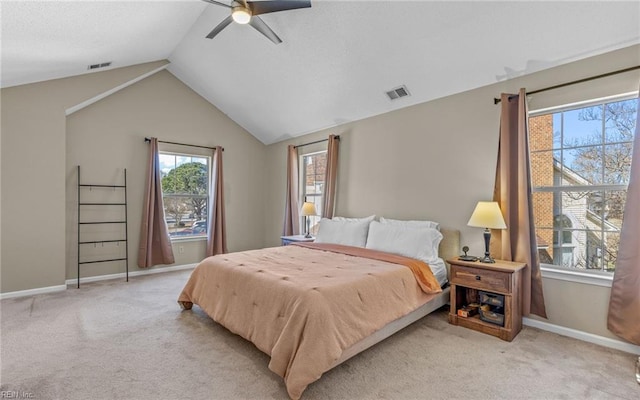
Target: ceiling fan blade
{"type": "Point", "coordinates": [264, 7]}
{"type": "Point", "coordinates": [220, 27]}
{"type": "Point", "coordinates": [261, 27]}
{"type": "Point", "coordinates": [217, 3]}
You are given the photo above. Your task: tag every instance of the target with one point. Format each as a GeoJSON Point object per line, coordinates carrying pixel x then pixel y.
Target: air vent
{"type": "Point", "coordinates": [398, 92]}
{"type": "Point", "coordinates": [101, 65]}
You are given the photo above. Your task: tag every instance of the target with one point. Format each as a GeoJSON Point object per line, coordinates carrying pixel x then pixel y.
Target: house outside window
{"type": "Point", "coordinates": [313, 167]}
{"type": "Point", "coordinates": [185, 193]}
{"type": "Point", "coordinates": [580, 164]}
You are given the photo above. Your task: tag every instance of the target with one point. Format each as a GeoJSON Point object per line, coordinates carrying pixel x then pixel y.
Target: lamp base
{"type": "Point", "coordinates": [487, 239]}
{"type": "Point", "coordinates": [308, 222]}
{"type": "Point", "coordinates": [487, 260]}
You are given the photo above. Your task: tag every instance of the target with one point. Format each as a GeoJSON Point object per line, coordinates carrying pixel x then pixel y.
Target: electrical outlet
{"type": "Point", "coordinates": [180, 249]}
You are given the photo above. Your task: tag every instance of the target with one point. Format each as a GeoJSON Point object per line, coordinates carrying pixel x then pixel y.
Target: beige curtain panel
{"type": "Point", "coordinates": [155, 243]}
{"type": "Point", "coordinates": [624, 303]}
{"type": "Point", "coordinates": [291, 214]}
{"type": "Point", "coordinates": [512, 191]}
{"type": "Point", "coordinates": [217, 237]}
{"type": "Point", "coordinates": [331, 175]}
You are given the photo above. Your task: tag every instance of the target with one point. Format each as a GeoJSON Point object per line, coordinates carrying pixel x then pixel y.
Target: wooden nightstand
{"type": "Point", "coordinates": [295, 238]}
{"type": "Point", "coordinates": [497, 285]}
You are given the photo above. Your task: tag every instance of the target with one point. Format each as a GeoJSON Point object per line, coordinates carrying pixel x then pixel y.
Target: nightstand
{"type": "Point", "coordinates": [295, 238]}
{"type": "Point", "coordinates": [497, 287]}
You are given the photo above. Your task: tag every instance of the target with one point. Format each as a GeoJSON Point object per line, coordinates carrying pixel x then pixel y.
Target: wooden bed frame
{"type": "Point", "coordinates": [449, 247]}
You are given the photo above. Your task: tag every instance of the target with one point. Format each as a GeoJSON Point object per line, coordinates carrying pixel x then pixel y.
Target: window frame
{"type": "Point", "coordinates": [198, 237]}
{"type": "Point", "coordinates": [302, 196]}
{"type": "Point", "coordinates": [558, 272]}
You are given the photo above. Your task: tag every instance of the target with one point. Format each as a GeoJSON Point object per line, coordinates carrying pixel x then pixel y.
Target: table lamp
{"type": "Point", "coordinates": [308, 209]}
{"type": "Point", "coordinates": [487, 215]}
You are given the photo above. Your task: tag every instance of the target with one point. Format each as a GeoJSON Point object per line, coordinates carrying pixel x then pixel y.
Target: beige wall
{"type": "Point", "coordinates": [41, 147]}
{"type": "Point", "coordinates": [109, 136]}
{"type": "Point", "coordinates": [437, 159]}
{"type": "Point", "coordinates": [431, 161]}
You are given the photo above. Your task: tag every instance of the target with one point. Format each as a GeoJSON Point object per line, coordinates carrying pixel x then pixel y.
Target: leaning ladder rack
{"type": "Point", "coordinates": [108, 204]}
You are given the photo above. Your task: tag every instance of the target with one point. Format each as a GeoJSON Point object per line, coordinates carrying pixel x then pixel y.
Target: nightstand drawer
{"type": "Point", "coordinates": [493, 281]}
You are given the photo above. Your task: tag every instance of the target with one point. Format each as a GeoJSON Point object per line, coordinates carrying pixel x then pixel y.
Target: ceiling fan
{"type": "Point", "coordinates": [246, 12]}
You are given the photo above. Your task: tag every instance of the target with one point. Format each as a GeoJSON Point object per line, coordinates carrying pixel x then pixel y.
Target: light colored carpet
{"type": "Point", "coordinates": [118, 340]}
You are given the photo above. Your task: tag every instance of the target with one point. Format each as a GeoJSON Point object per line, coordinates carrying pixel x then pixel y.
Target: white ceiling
{"type": "Point", "coordinates": [337, 58]}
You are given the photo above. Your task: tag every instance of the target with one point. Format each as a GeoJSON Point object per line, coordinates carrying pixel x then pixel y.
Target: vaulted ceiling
{"type": "Point", "coordinates": [337, 60]}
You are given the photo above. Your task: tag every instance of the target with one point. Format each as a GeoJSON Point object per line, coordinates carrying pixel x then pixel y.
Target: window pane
{"type": "Point", "coordinates": [167, 163]}
{"type": "Point", "coordinates": [542, 169]}
{"type": "Point", "coordinates": [583, 166]}
{"type": "Point", "coordinates": [614, 201]}
{"type": "Point", "coordinates": [582, 126]}
{"type": "Point", "coordinates": [543, 125]}
{"type": "Point", "coordinates": [188, 179]}
{"type": "Point", "coordinates": [617, 163]}
{"type": "Point", "coordinates": [186, 216]}
{"type": "Point", "coordinates": [610, 254]}
{"type": "Point", "coordinates": [557, 130]}
{"type": "Point", "coordinates": [201, 160]}
{"type": "Point", "coordinates": [620, 120]}
{"type": "Point", "coordinates": [313, 169]}
{"type": "Point", "coordinates": [180, 160]}
{"type": "Point", "coordinates": [592, 148]}
{"type": "Point", "coordinates": [185, 189]}
{"type": "Point", "coordinates": [544, 238]}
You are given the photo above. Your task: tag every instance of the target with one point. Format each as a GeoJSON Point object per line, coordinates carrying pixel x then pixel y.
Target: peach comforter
{"type": "Point", "coordinates": [305, 304]}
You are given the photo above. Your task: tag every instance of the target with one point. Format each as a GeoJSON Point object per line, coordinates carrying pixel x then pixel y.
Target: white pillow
{"type": "Point", "coordinates": [349, 233]}
{"type": "Point", "coordinates": [369, 218]}
{"type": "Point", "coordinates": [418, 243]}
{"type": "Point", "coordinates": [413, 224]}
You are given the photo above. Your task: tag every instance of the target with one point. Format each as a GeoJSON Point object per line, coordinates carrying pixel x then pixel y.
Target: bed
{"type": "Point", "coordinates": [311, 307]}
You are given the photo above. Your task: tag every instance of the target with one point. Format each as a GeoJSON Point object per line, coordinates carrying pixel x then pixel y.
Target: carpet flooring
{"type": "Point", "coordinates": [118, 340]}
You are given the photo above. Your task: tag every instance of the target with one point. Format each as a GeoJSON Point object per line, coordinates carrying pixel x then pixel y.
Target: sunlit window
{"type": "Point", "coordinates": [185, 192]}
{"type": "Point", "coordinates": [580, 164]}
{"type": "Point", "coordinates": [313, 168]}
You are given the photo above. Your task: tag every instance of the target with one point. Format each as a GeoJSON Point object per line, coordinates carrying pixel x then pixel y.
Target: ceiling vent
{"type": "Point", "coordinates": [398, 92]}
{"type": "Point", "coordinates": [101, 65]}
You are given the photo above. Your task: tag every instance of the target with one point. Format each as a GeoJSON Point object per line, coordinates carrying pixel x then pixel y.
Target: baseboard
{"type": "Point", "coordinates": [33, 292]}
{"type": "Point", "coordinates": [71, 282]}
{"type": "Point", "coordinates": [122, 275]}
{"type": "Point", "coordinates": [584, 336]}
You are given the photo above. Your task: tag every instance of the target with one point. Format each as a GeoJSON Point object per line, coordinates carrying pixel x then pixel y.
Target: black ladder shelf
{"type": "Point", "coordinates": [118, 222]}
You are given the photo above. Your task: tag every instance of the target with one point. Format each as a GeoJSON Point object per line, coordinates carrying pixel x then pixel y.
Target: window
{"type": "Point", "coordinates": [185, 192]}
{"type": "Point", "coordinates": [313, 168]}
{"type": "Point", "coordinates": [580, 163]}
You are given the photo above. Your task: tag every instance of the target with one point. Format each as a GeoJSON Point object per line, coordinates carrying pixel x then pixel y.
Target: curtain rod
{"type": "Point", "coordinates": [183, 144]}
{"type": "Point", "coordinates": [496, 101]}
{"type": "Point", "coordinates": [310, 143]}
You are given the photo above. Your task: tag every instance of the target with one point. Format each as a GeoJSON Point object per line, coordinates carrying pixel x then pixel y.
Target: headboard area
{"type": "Point", "coordinates": [450, 245]}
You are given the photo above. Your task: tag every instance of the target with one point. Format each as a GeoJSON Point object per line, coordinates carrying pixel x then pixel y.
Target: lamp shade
{"type": "Point", "coordinates": [308, 209]}
{"type": "Point", "coordinates": [487, 215]}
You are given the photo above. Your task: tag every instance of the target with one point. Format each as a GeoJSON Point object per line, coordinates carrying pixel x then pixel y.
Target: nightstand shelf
{"type": "Point", "coordinates": [286, 240]}
{"type": "Point", "coordinates": [502, 279]}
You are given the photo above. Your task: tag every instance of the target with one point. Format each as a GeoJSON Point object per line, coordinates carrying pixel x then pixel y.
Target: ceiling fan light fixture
{"type": "Point", "coordinates": [241, 15]}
